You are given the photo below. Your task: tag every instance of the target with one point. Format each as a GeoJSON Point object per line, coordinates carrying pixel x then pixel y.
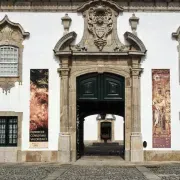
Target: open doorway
{"type": "Point", "coordinates": [99, 95]}
{"type": "Point", "coordinates": [104, 136]}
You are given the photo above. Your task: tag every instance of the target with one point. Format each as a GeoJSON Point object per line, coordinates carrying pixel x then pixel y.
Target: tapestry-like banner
{"type": "Point", "coordinates": [161, 108]}
{"type": "Point", "coordinates": [39, 108]}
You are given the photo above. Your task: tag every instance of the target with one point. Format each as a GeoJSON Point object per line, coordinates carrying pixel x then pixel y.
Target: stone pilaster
{"type": "Point", "coordinates": [176, 35]}
{"type": "Point", "coordinates": [136, 136]}
{"type": "Point", "coordinates": [64, 137]}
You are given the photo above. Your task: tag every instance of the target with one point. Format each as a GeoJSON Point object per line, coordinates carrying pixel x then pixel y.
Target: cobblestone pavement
{"type": "Point", "coordinates": [166, 172]}
{"type": "Point", "coordinates": [53, 171]}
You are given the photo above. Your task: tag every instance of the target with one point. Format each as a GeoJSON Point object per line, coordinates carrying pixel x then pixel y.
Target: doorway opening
{"type": "Point", "coordinates": [106, 131]}
{"type": "Point", "coordinates": [99, 95]}
{"type": "Point", "coordinates": [103, 137]}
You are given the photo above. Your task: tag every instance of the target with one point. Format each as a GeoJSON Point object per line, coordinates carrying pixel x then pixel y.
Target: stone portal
{"type": "Point", "coordinates": [100, 51]}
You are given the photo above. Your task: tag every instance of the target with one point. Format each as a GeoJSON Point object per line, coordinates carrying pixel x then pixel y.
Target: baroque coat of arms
{"type": "Point", "coordinates": [100, 24]}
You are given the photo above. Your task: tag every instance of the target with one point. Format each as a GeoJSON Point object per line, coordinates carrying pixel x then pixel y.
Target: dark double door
{"type": "Point", "coordinates": [97, 94]}
{"type": "Point", "coordinates": [100, 87]}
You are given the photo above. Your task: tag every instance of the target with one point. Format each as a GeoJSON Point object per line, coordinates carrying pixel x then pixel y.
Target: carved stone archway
{"type": "Point", "coordinates": [100, 51]}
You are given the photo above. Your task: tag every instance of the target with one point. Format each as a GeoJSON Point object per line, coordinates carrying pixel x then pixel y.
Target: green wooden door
{"type": "Point", "coordinates": [100, 87]}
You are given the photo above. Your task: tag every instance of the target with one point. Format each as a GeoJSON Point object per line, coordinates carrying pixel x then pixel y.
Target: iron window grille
{"type": "Point", "coordinates": [8, 130]}
{"type": "Point", "coordinates": [9, 61]}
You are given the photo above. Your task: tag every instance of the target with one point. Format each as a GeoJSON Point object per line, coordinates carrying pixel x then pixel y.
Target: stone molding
{"type": "Point", "coordinates": [63, 71]}
{"type": "Point", "coordinates": [88, 4]}
{"type": "Point", "coordinates": [133, 39]}
{"type": "Point", "coordinates": [100, 34]}
{"type": "Point", "coordinates": [59, 6]}
{"type": "Point", "coordinates": [78, 71]}
{"type": "Point", "coordinates": [113, 57]}
{"type": "Point", "coordinates": [12, 34]}
{"type": "Point", "coordinates": [20, 117]}
{"type": "Point", "coordinates": [176, 36]}
{"type": "Point", "coordinates": [136, 72]}
{"type": "Point", "coordinates": [99, 129]}
{"type": "Point", "coordinates": [65, 42]}
{"type": "Point", "coordinates": [12, 151]}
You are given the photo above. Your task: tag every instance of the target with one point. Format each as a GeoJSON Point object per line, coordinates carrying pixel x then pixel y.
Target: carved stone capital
{"type": "Point", "coordinates": [63, 71]}
{"type": "Point", "coordinates": [136, 72]}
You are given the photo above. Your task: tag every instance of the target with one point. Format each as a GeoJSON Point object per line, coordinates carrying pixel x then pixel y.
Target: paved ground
{"type": "Point", "coordinates": [54, 171]}
{"type": "Point", "coordinates": [104, 149]}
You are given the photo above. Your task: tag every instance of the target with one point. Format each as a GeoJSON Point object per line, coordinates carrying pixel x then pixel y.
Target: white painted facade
{"type": "Point", "coordinates": [45, 29]}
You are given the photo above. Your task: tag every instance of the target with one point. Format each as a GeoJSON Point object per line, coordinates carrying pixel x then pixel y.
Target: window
{"type": "Point", "coordinates": [8, 61]}
{"type": "Point", "coordinates": [8, 130]}
{"type": "Point", "coordinates": [11, 51]}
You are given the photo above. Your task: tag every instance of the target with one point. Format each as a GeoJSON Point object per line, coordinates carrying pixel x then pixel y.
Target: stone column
{"type": "Point", "coordinates": [136, 137]}
{"type": "Point", "coordinates": [64, 137]}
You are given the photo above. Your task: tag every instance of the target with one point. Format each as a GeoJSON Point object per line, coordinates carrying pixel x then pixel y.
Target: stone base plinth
{"type": "Point", "coordinates": [162, 155]}
{"type": "Point", "coordinates": [137, 154]}
{"type": "Point", "coordinates": [64, 153]}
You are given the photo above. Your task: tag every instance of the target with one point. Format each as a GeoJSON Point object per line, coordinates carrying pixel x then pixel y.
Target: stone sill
{"type": "Point", "coordinates": [8, 149]}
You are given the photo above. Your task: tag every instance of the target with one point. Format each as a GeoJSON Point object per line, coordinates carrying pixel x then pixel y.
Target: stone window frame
{"type": "Point", "coordinates": [19, 138]}
{"type": "Point", "coordinates": [12, 34]}
{"type": "Point", "coordinates": [99, 129]}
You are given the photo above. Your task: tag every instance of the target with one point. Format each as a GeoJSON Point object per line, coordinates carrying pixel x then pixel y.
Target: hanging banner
{"type": "Point", "coordinates": [38, 108]}
{"type": "Point", "coordinates": [161, 107]}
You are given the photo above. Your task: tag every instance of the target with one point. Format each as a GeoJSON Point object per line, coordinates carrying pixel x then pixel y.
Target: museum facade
{"type": "Point", "coordinates": [103, 57]}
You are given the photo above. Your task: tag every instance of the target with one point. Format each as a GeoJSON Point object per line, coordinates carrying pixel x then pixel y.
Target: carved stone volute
{"type": "Point", "coordinates": [100, 33]}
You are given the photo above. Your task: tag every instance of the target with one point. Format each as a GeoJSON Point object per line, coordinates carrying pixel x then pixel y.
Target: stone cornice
{"type": "Point", "coordinates": [73, 5]}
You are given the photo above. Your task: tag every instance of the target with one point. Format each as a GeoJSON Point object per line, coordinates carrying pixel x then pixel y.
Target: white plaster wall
{"type": "Point", "coordinates": [155, 31]}
{"type": "Point", "coordinates": [119, 128]}
{"type": "Point", "coordinates": [45, 31]}
{"type": "Point", "coordinates": [90, 128]}
{"type": "Point", "coordinates": [45, 28]}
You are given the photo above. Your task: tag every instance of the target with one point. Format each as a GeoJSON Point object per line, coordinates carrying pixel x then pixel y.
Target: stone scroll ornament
{"type": "Point", "coordinates": [100, 24]}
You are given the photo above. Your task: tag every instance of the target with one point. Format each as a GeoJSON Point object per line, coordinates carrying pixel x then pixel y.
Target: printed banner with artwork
{"type": "Point", "coordinates": [161, 107]}
{"type": "Point", "coordinates": [39, 108]}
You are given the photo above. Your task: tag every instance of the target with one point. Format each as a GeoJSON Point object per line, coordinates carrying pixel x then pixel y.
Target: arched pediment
{"type": "Point", "coordinates": [65, 42]}
{"type": "Point", "coordinates": [100, 35]}
{"type": "Point", "coordinates": [135, 41]}
{"type": "Point", "coordinates": [88, 4]}
{"type": "Point", "coordinates": [5, 21]}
